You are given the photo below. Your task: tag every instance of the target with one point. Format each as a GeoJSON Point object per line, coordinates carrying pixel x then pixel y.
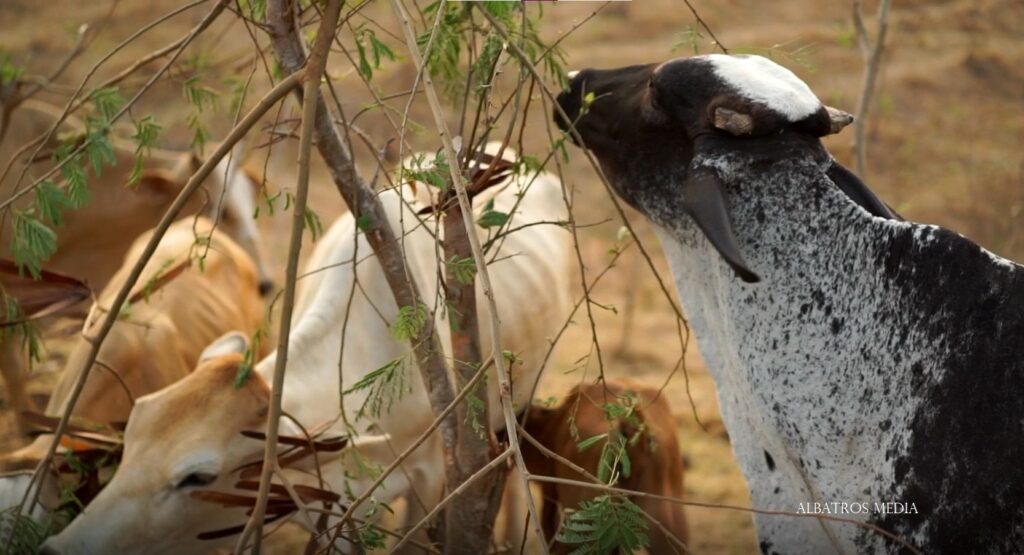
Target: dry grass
{"type": "Point", "coordinates": [944, 147]}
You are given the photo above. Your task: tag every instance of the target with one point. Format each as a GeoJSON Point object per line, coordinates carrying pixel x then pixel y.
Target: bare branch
{"type": "Point", "coordinates": [872, 60]}
{"type": "Point", "coordinates": [711, 33]}
{"type": "Point", "coordinates": [311, 82]}
{"type": "Point", "coordinates": [453, 495]}
{"type": "Point", "coordinates": [504, 383]}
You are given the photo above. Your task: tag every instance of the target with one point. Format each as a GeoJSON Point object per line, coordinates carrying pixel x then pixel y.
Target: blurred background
{"type": "Point", "coordinates": [944, 146]}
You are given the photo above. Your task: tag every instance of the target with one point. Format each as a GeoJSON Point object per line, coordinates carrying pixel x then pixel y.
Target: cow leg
{"type": "Point", "coordinates": [12, 364]}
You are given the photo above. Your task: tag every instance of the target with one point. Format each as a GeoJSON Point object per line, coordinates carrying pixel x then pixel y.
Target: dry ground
{"type": "Point", "coordinates": [944, 146]}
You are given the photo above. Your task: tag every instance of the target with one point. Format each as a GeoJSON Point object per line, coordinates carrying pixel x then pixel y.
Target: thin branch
{"type": "Point", "coordinates": [705, 26]}
{"type": "Point", "coordinates": [455, 493]}
{"type": "Point", "coordinates": [311, 81]}
{"type": "Point", "coordinates": [504, 382]}
{"type": "Point", "coordinates": [872, 61]}
{"type": "Point", "coordinates": [72, 105]}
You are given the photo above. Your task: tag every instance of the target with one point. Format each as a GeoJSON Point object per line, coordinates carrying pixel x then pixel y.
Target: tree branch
{"type": "Point", "coordinates": [454, 494]}
{"type": "Point", "coordinates": [369, 213]}
{"type": "Point", "coordinates": [311, 82]}
{"type": "Point", "coordinates": [504, 383]}
{"type": "Point", "coordinates": [872, 60]}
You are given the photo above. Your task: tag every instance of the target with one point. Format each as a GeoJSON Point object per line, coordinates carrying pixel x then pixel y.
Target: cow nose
{"type": "Point", "coordinates": [47, 549]}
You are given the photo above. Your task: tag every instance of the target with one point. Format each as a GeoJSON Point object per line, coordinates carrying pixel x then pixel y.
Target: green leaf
{"type": "Point", "coordinates": [492, 218]}
{"type": "Point", "coordinates": [384, 386]}
{"type": "Point", "coordinates": [146, 132]}
{"type": "Point", "coordinates": [32, 243]}
{"type": "Point", "coordinates": [200, 134]}
{"type": "Point", "coordinates": [589, 442]}
{"type": "Point", "coordinates": [107, 102]}
{"type": "Point", "coordinates": [410, 321]}
{"type": "Point", "coordinates": [9, 72]}
{"type": "Point", "coordinates": [97, 145]}
{"type": "Point", "coordinates": [606, 524]}
{"type": "Point", "coordinates": [199, 95]}
{"type": "Point", "coordinates": [51, 201]}
{"type": "Point", "coordinates": [363, 222]}
{"type": "Point", "coordinates": [464, 269]}
{"type": "Point", "coordinates": [312, 222]}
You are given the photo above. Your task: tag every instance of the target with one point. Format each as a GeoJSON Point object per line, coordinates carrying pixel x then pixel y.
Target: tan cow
{"type": "Point", "coordinates": [657, 465]}
{"type": "Point", "coordinates": [160, 337]}
{"type": "Point", "coordinates": [93, 240]}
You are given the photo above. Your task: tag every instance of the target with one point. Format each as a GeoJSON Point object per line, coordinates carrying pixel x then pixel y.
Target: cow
{"type": "Point", "coordinates": [179, 306]}
{"type": "Point", "coordinates": [865, 365]}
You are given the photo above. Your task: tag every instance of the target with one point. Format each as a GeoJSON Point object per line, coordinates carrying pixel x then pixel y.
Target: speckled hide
{"type": "Point", "coordinates": [876, 361]}
{"type": "Point", "coordinates": [867, 368]}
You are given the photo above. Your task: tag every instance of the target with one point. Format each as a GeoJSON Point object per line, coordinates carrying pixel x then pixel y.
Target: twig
{"type": "Point", "coordinates": [455, 493]}
{"type": "Point", "coordinates": [705, 26]}
{"type": "Point", "coordinates": [268, 101]}
{"type": "Point", "coordinates": [872, 60]}
{"type": "Point", "coordinates": [302, 509]}
{"type": "Point", "coordinates": [504, 383]}
{"type": "Point", "coordinates": [17, 96]}
{"type": "Point", "coordinates": [72, 104]}
{"type": "Point", "coordinates": [311, 81]}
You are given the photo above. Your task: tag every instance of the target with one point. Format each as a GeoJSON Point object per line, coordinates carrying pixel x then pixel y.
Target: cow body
{"type": "Point", "coordinates": [863, 369]}
{"type": "Point", "coordinates": [867, 368]}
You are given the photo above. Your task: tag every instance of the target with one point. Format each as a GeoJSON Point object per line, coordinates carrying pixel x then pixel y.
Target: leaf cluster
{"type": "Point", "coordinates": [606, 524]}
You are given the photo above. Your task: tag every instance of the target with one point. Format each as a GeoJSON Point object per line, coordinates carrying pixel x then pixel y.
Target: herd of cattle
{"type": "Point", "coordinates": [169, 367]}
{"type": "Point", "coordinates": [854, 353]}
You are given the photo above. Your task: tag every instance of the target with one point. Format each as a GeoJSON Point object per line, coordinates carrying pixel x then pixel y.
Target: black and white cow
{"type": "Point", "coordinates": [859, 359]}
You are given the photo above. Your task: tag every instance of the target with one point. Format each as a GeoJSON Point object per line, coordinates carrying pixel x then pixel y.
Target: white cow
{"type": "Point", "coordinates": [189, 435]}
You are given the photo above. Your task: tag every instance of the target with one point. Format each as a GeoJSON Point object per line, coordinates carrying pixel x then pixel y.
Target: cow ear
{"type": "Point", "coordinates": [157, 184]}
{"type": "Point", "coordinates": [704, 200]}
{"type": "Point", "coordinates": [233, 342]}
{"type": "Point", "coordinates": [740, 117]}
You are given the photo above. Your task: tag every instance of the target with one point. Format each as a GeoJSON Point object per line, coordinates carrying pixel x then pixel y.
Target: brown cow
{"type": "Point", "coordinates": [160, 337]}
{"type": "Point", "coordinates": [92, 241]}
{"type": "Point", "coordinates": [657, 465]}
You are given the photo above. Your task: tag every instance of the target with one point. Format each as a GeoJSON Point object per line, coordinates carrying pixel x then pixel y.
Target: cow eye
{"type": "Point", "coordinates": [196, 479]}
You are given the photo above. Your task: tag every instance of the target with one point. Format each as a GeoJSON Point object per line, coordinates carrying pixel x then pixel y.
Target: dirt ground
{"type": "Point", "coordinates": [945, 147]}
